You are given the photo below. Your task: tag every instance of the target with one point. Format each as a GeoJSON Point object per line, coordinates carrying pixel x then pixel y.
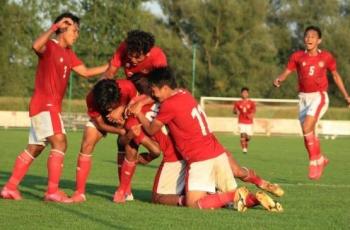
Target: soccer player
{"type": "Point", "coordinates": [169, 183]}
{"type": "Point", "coordinates": [137, 54]}
{"type": "Point", "coordinates": [245, 109]}
{"type": "Point", "coordinates": [56, 60]}
{"type": "Point", "coordinates": [207, 163]}
{"type": "Point", "coordinates": [311, 65]}
{"type": "Point", "coordinates": [105, 96]}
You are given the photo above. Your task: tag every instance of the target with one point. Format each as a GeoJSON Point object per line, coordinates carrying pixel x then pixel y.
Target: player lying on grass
{"type": "Point", "coordinates": [207, 162]}
{"type": "Point", "coordinates": [56, 60]}
{"type": "Point", "coordinates": [311, 65]}
{"type": "Point", "coordinates": [105, 96]}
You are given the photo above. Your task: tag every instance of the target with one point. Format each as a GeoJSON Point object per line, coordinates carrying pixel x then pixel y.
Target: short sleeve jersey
{"type": "Point", "coordinates": [170, 153]}
{"type": "Point", "coordinates": [312, 70]}
{"type": "Point", "coordinates": [245, 109]}
{"type": "Point", "coordinates": [188, 127]}
{"type": "Point", "coordinates": [52, 74]}
{"type": "Point", "coordinates": [153, 59]}
{"type": "Point", "coordinates": [127, 91]}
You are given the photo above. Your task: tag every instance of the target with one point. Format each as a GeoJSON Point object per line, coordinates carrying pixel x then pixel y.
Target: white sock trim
{"type": "Point", "coordinates": [57, 151]}
{"type": "Point", "coordinates": [27, 152]}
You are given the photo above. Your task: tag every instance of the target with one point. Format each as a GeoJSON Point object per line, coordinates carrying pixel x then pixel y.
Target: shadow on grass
{"type": "Point", "coordinates": [39, 183]}
{"type": "Point", "coordinates": [33, 187]}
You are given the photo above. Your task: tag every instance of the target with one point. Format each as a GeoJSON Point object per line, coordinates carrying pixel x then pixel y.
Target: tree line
{"type": "Point", "coordinates": [238, 43]}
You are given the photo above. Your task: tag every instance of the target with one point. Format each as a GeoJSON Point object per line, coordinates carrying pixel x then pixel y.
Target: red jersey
{"type": "Point", "coordinates": [170, 154]}
{"type": "Point", "coordinates": [312, 70]}
{"type": "Point", "coordinates": [127, 91]}
{"type": "Point", "coordinates": [153, 59]}
{"type": "Point", "coordinates": [245, 110]}
{"type": "Point", "coordinates": [188, 127]}
{"type": "Point", "coordinates": [51, 78]}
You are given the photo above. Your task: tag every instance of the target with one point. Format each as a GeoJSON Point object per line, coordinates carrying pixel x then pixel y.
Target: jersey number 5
{"type": "Point", "coordinates": [312, 70]}
{"type": "Point", "coordinates": [199, 114]}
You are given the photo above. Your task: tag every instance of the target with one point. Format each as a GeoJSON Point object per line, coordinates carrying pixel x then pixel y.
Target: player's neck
{"type": "Point", "coordinates": [313, 52]}
{"type": "Point", "coordinates": [62, 42]}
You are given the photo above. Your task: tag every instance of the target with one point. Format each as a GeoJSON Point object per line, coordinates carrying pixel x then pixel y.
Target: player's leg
{"type": "Point", "coordinates": [250, 176]}
{"type": "Point", "coordinates": [20, 168]}
{"type": "Point", "coordinates": [243, 142]}
{"type": "Point", "coordinates": [90, 138]}
{"type": "Point", "coordinates": [56, 136]}
{"type": "Point", "coordinates": [169, 184]}
{"type": "Point", "coordinates": [316, 106]}
{"type": "Point", "coordinates": [204, 177]}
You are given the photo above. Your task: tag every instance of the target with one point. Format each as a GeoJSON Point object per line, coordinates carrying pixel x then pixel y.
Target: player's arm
{"type": "Point", "coordinates": [101, 125]}
{"type": "Point", "coordinates": [110, 71]}
{"type": "Point", "coordinates": [339, 82]}
{"type": "Point", "coordinates": [282, 77]}
{"type": "Point", "coordinates": [39, 44]}
{"type": "Point", "coordinates": [86, 72]}
{"type": "Point", "coordinates": [235, 109]}
{"type": "Point", "coordinates": [150, 127]}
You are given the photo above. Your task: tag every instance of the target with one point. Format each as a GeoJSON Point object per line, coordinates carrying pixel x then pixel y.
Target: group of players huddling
{"type": "Point", "coordinates": [147, 108]}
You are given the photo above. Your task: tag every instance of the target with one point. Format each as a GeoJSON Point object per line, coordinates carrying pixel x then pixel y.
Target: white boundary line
{"type": "Point", "coordinates": [317, 185]}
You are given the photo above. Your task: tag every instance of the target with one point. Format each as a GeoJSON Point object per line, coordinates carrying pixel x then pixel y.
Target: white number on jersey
{"type": "Point", "coordinates": [65, 71]}
{"type": "Point", "coordinates": [150, 115]}
{"type": "Point", "coordinates": [311, 70]}
{"type": "Point", "coordinates": [196, 113]}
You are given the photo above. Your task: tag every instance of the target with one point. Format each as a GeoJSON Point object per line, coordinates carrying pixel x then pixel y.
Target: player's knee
{"type": "Point", "coordinates": [87, 147]}
{"type": "Point", "coordinates": [59, 142]}
{"type": "Point", "coordinates": [35, 150]}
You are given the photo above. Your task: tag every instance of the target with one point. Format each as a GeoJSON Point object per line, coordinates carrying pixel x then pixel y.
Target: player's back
{"type": "Point", "coordinates": [188, 126]}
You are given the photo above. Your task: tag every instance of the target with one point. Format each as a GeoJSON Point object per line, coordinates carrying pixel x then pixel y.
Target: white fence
{"type": "Point", "coordinates": [9, 119]}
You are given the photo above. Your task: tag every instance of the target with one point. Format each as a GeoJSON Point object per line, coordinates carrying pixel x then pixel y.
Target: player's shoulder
{"type": "Point", "coordinates": [298, 53]}
{"type": "Point", "coordinates": [124, 84]}
{"type": "Point", "coordinates": [326, 53]}
{"type": "Point", "coordinates": [156, 51]}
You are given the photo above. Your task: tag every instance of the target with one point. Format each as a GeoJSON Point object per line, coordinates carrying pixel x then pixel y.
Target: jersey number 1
{"type": "Point", "coordinates": [196, 113]}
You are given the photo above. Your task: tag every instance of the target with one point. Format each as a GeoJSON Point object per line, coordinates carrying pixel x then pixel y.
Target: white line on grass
{"type": "Point", "coordinates": [318, 185]}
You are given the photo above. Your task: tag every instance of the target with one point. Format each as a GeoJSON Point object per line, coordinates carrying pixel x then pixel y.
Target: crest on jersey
{"type": "Point", "coordinates": [145, 71]}
{"type": "Point", "coordinates": [127, 65]}
{"type": "Point", "coordinates": [303, 64]}
{"type": "Point", "coordinates": [61, 59]}
{"type": "Point", "coordinates": [130, 73]}
{"type": "Point", "coordinates": [321, 64]}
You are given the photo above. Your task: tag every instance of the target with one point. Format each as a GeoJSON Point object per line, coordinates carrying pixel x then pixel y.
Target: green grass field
{"type": "Point", "coordinates": [308, 205]}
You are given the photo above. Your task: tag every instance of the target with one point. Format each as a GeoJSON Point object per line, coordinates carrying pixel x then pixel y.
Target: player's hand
{"type": "Point", "coordinates": [135, 108]}
{"type": "Point", "coordinates": [277, 82]}
{"type": "Point", "coordinates": [116, 116]}
{"type": "Point", "coordinates": [64, 23]}
{"type": "Point", "coordinates": [348, 101]}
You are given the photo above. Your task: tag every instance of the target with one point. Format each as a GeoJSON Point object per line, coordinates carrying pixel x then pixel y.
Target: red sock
{"type": "Point", "coordinates": [127, 171]}
{"type": "Point", "coordinates": [216, 200]}
{"type": "Point", "coordinates": [83, 170]}
{"type": "Point", "coordinates": [317, 145]}
{"type": "Point", "coordinates": [22, 163]}
{"type": "Point", "coordinates": [252, 177]}
{"type": "Point", "coordinates": [251, 200]}
{"type": "Point", "coordinates": [54, 167]}
{"type": "Point", "coordinates": [312, 146]}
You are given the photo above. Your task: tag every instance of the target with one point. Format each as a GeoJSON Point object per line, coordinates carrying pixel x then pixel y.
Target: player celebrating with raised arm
{"type": "Point", "coordinates": [208, 165]}
{"type": "Point", "coordinates": [245, 109]}
{"type": "Point", "coordinates": [311, 65]}
{"type": "Point", "coordinates": [56, 60]}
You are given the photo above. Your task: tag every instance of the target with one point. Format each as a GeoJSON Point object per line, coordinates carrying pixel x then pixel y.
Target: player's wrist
{"type": "Point", "coordinates": [54, 27]}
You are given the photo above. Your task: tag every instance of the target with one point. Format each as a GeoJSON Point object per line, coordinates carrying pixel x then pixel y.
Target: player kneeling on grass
{"type": "Point", "coordinates": [207, 161]}
{"type": "Point", "coordinates": [245, 109]}
{"type": "Point", "coordinates": [105, 96]}
{"type": "Point", "coordinates": [56, 60]}
{"type": "Point", "coordinates": [311, 65]}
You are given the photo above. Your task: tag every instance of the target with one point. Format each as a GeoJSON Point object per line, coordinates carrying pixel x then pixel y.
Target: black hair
{"type": "Point", "coordinates": [141, 84]}
{"type": "Point", "coordinates": [139, 42]}
{"type": "Point", "coordinates": [244, 89]}
{"type": "Point", "coordinates": [74, 18]}
{"type": "Point", "coordinates": [314, 28]}
{"type": "Point", "coordinates": [162, 76]}
{"type": "Point", "coordinates": [106, 93]}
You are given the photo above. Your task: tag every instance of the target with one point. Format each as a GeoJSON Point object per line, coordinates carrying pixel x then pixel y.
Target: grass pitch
{"type": "Point", "coordinates": [323, 204]}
